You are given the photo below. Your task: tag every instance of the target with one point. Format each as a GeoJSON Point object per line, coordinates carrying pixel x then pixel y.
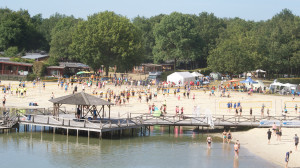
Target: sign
{"type": "Point", "coordinates": [291, 123]}
{"type": "Point", "coordinates": [269, 122]}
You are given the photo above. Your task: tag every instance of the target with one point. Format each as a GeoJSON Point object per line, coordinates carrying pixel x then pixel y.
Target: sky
{"type": "Point", "coordinates": [246, 9]}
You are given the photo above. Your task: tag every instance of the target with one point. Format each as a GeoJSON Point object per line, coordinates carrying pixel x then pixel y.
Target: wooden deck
{"type": "Point", "coordinates": [135, 120]}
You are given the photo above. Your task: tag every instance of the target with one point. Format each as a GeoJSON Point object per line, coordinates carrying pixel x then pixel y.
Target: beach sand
{"type": "Point", "coordinates": [255, 140]}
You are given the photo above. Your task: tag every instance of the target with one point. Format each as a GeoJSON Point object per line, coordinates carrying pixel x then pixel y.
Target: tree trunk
{"type": "Point", "coordinates": [175, 61]}
{"type": "Point", "coordinates": [106, 70]}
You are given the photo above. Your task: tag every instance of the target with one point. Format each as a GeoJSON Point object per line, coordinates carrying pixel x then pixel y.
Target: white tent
{"type": "Point", "coordinates": [255, 85]}
{"type": "Point", "coordinates": [183, 77]}
{"type": "Point", "coordinates": [197, 74]}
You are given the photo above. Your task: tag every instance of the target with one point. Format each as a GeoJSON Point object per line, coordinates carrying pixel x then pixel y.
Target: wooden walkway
{"type": "Point", "coordinates": [145, 120]}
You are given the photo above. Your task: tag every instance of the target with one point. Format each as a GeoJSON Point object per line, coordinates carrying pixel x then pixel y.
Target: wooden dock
{"type": "Point", "coordinates": [134, 120]}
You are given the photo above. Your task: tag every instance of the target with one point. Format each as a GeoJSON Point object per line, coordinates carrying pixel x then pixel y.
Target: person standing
{"type": "Point", "coordinates": [269, 136]}
{"type": "Point", "coordinates": [296, 138]}
{"type": "Point", "coordinates": [236, 150]}
{"type": "Point", "coordinates": [229, 136]}
{"type": "Point", "coordinates": [209, 141]}
{"type": "Point", "coordinates": [224, 136]}
{"type": "Point", "coordinates": [3, 101]}
{"type": "Point", "coordinates": [287, 158]}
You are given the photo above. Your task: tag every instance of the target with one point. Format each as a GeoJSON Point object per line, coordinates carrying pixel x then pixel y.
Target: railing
{"type": "Point", "coordinates": [81, 123]}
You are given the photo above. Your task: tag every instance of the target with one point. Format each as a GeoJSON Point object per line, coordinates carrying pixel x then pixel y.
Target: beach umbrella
{"type": "Point", "coordinates": [248, 80]}
{"type": "Point", "coordinates": [79, 73]}
{"type": "Point", "coordinates": [233, 80]}
{"type": "Point", "coordinates": [157, 112]}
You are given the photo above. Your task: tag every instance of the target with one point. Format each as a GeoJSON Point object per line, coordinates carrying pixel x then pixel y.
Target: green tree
{"type": "Point", "coordinates": [176, 39]}
{"type": "Point", "coordinates": [236, 49]}
{"type": "Point", "coordinates": [45, 28]}
{"type": "Point", "coordinates": [61, 40]}
{"type": "Point", "coordinates": [11, 52]}
{"type": "Point", "coordinates": [108, 39]}
{"type": "Point", "coordinates": [146, 26]}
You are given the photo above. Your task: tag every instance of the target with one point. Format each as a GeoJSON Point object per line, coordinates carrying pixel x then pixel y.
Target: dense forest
{"type": "Point", "coordinates": [227, 45]}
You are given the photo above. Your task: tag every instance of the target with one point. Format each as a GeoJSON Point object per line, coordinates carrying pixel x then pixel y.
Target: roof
{"type": "Point", "coordinates": [197, 74]}
{"type": "Point", "coordinates": [55, 67]}
{"type": "Point", "coordinates": [183, 74]}
{"type": "Point", "coordinates": [73, 65]}
{"type": "Point", "coordinates": [16, 63]}
{"type": "Point", "coordinates": [4, 58]}
{"type": "Point", "coordinates": [81, 98]}
{"type": "Point", "coordinates": [35, 56]}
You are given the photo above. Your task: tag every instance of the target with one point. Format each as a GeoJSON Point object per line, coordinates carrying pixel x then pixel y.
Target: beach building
{"type": "Point", "coordinates": [14, 68]}
{"type": "Point", "coordinates": [149, 67]}
{"type": "Point", "coordinates": [180, 78]}
{"type": "Point", "coordinates": [66, 69]}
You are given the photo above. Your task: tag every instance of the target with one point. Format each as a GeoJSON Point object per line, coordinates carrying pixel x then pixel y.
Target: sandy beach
{"type": "Point", "coordinates": [255, 139]}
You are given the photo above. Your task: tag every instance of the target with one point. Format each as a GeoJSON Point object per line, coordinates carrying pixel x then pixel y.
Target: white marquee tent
{"type": "Point", "coordinates": [181, 76]}
{"type": "Point", "coordinates": [197, 74]}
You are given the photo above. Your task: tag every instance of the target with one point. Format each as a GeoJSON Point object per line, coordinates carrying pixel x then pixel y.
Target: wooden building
{"type": "Point", "coordinates": [14, 68]}
{"type": "Point", "coordinates": [66, 69]}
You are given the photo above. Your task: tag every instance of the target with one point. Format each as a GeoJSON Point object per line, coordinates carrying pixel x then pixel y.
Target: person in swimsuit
{"type": "Point", "coordinates": [209, 140]}
{"type": "Point", "coordinates": [287, 158]}
{"type": "Point", "coordinates": [296, 107]}
{"type": "Point", "coordinates": [236, 150]}
{"type": "Point", "coordinates": [269, 136]}
{"type": "Point", "coordinates": [296, 138]}
{"type": "Point", "coordinates": [229, 136]}
{"type": "Point", "coordinates": [274, 127]}
{"type": "Point", "coordinates": [224, 136]}
{"type": "Point", "coordinates": [251, 111]}
{"type": "Point", "coordinates": [3, 101]}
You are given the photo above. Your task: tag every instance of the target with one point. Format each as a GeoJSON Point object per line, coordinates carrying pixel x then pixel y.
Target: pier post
{"type": "Point", "coordinates": [69, 123]}
{"type": "Point", "coordinates": [48, 120]}
{"type": "Point", "coordinates": [67, 131]}
{"type": "Point", "coordinates": [88, 133]}
{"type": "Point", "coordinates": [169, 129]}
{"type": "Point", "coordinates": [53, 130]}
{"type": "Point", "coordinates": [77, 133]}
{"type": "Point", "coordinates": [100, 135]}
{"type": "Point", "coordinates": [63, 122]}
{"type": "Point", "coordinates": [31, 127]}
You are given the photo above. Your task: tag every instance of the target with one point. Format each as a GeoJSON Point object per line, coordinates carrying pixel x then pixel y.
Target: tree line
{"type": "Point", "coordinates": [226, 45]}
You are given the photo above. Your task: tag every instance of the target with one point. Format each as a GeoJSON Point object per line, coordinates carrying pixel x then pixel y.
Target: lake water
{"type": "Point", "coordinates": [184, 148]}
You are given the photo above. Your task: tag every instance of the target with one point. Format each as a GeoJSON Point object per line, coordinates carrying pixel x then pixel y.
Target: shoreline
{"type": "Point", "coordinates": [255, 141]}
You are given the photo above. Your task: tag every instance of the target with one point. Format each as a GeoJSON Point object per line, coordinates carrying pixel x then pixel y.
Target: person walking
{"type": "Point", "coordinates": [269, 135]}
{"type": "Point", "coordinates": [287, 158]}
{"type": "Point", "coordinates": [209, 141]}
{"type": "Point", "coordinates": [296, 138]}
{"type": "Point", "coordinates": [236, 150]}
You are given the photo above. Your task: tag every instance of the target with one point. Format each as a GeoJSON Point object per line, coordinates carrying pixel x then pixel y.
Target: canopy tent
{"type": "Point", "coordinates": [258, 84]}
{"type": "Point", "coordinates": [180, 77]}
{"type": "Point", "coordinates": [261, 71]}
{"type": "Point", "coordinates": [82, 72]}
{"type": "Point", "coordinates": [83, 101]}
{"type": "Point", "coordinates": [197, 74]}
{"type": "Point", "coordinates": [248, 80]}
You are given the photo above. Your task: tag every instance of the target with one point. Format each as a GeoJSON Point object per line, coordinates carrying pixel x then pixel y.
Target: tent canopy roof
{"type": "Point", "coordinates": [197, 74]}
{"type": "Point", "coordinates": [248, 80]}
{"type": "Point", "coordinates": [183, 74]}
{"type": "Point", "coordinates": [80, 98]}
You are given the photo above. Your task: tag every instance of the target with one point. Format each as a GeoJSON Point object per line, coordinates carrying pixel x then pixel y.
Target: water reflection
{"type": "Point", "coordinates": [183, 148]}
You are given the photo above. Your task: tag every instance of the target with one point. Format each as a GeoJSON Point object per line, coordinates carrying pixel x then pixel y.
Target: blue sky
{"type": "Point", "coordinates": [245, 9]}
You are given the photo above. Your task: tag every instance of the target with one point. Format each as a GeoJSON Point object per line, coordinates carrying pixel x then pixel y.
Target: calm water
{"type": "Point", "coordinates": [160, 149]}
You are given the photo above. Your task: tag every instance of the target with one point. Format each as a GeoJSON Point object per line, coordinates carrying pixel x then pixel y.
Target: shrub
{"type": "Point", "coordinates": [38, 68]}
{"type": "Point", "coordinates": [289, 80]}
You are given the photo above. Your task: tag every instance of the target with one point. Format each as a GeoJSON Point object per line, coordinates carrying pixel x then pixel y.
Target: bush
{"type": "Point", "coordinates": [31, 77]}
{"type": "Point", "coordinates": [11, 52]}
{"type": "Point", "coordinates": [38, 68]}
{"type": "Point", "coordinates": [289, 80]}
{"type": "Point", "coordinates": [205, 71]}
